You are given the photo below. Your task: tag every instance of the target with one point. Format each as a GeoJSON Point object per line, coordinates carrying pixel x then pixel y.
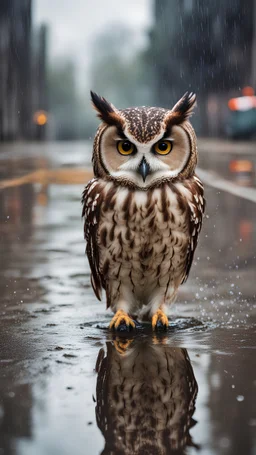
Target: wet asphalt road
{"type": "Point", "coordinates": [53, 398]}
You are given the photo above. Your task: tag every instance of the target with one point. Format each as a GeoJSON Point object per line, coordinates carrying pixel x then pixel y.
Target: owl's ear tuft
{"type": "Point", "coordinates": [105, 110]}
{"type": "Point", "coordinates": [183, 109]}
{"type": "Point", "coordinates": [102, 106]}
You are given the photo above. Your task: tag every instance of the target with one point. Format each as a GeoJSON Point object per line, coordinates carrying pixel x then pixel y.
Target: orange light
{"type": "Point", "coordinates": [248, 91]}
{"type": "Point", "coordinates": [245, 230]}
{"type": "Point", "coordinates": [40, 118]}
{"type": "Point", "coordinates": [232, 104]}
{"type": "Point", "coordinates": [241, 166]}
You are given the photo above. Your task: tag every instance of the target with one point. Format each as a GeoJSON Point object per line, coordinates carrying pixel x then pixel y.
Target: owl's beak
{"type": "Point", "coordinates": [144, 168]}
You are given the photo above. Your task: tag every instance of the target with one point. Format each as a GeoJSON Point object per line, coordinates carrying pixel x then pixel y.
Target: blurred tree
{"type": "Point", "coordinates": [63, 101]}
{"type": "Point", "coordinates": [62, 86]}
{"type": "Point", "coordinates": [66, 106]}
{"type": "Point", "coordinates": [119, 70]}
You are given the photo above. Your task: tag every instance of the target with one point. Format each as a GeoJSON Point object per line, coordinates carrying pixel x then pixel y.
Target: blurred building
{"type": "Point", "coordinates": [206, 47]}
{"type": "Point", "coordinates": [15, 33]}
{"type": "Point", "coordinates": [39, 91]}
{"type": "Point", "coordinates": [19, 81]}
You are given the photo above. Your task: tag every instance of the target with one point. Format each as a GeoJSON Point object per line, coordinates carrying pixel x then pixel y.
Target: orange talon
{"type": "Point", "coordinates": [122, 345]}
{"type": "Point", "coordinates": [159, 339]}
{"type": "Point", "coordinates": [161, 317]}
{"type": "Point", "coordinates": [121, 318]}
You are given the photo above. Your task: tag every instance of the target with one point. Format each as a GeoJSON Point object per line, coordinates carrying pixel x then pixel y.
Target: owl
{"type": "Point", "coordinates": [143, 210]}
{"type": "Point", "coordinates": [145, 398]}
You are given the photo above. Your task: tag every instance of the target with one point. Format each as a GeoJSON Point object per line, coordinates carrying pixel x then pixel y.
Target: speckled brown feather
{"type": "Point", "coordinates": [92, 201]}
{"type": "Point", "coordinates": [98, 166]}
{"type": "Point", "coordinates": [144, 123]}
{"type": "Point", "coordinates": [100, 206]}
{"type": "Point", "coordinates": [197, 208]}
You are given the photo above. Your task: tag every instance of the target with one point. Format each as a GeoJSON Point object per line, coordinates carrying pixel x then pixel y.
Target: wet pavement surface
{"type": "Point", "coordinates": [67, 385]}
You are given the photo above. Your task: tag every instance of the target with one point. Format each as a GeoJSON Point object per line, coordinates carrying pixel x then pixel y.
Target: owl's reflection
{"type": "Point", "coordinates": [146, 393]}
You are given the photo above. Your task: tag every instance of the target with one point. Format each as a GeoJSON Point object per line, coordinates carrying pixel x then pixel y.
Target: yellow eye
{"type": "Point", "coordinates": [125, 147]}
{"type": "Point", "coordinates": [163, 147]}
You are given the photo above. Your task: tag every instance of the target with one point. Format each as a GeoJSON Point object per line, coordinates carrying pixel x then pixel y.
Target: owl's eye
{"type": "Point", "coordinates": [163, 147]}
{"type": "Point", "coordinates": [125, 147]}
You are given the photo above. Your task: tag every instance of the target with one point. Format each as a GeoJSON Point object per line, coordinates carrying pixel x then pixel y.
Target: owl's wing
{"type": "Point", "coordinates": [196, 211]}
{"type": "Point", "coordinates": [92, 200]}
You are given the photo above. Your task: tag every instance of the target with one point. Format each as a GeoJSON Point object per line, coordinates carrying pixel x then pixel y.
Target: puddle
{"type": "Point", "coordinates": [177, 324]}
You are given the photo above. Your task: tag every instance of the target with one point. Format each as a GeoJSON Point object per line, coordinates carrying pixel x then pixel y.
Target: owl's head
{"type": "Point", "coordinates": [143, 147]}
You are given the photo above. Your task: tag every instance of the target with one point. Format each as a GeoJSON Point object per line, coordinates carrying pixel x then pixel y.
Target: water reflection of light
{"type": "Point", "coordinates": [246, 230]}
{"type": "Point", "coordinates": [242, 171]}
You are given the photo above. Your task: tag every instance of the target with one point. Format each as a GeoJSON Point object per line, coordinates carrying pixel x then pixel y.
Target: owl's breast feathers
{"type": "Point", "coordinates": [141, 235]}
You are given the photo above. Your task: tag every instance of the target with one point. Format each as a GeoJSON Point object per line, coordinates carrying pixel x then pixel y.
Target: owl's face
{"type": "Point", "coordinates": [142, 147]}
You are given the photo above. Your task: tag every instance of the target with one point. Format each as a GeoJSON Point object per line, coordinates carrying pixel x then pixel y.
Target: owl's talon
{"type": "Point", "coordinates": [122, 345]}
{"type": "Point", "coordinates": [123, 327]}
{"type": "Point", "coordinates": [159, 339]}
{"type": "Point", "coordinates": [122, 322]}
{"type": "Point", "coordinates": [161, 326]}
{"type": "Point", "coordinates": [159, 321]}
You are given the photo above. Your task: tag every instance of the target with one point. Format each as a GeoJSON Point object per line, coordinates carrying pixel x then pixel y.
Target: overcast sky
{"type": "Point", "coordinates": [74, 23]}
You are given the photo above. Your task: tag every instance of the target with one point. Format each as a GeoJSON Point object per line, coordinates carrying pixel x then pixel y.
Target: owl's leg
{"type": "Point", "coordinates": [159, 320]}
{"type": "Point", "coordinates": [158, 305]}
{"type": "Point", "coordinates": [122, 305]}
{"type": "Point", "coordinates": [121, 321]}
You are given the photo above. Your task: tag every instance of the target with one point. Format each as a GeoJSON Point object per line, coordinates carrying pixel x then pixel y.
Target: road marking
{"type": "Point", "coordinates": [213, 180]}
{"type": "Point", "coordinates": [67, 176]}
